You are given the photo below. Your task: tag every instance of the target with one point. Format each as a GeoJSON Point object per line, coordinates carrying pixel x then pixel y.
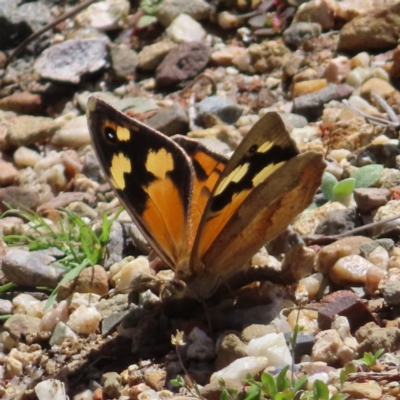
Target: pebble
{"type": "Point", "coordinates": [337, 69]}
{"type": "Point", "coordinates": [22, 103]}
{"type": "Point", "coordinates": [25, 157]}
{"type": "Point", "coordinates": [104, 15]}
{"type": "Point", "coordinates": [378, 86]}
{"type": "Point", "coordinates": [69, 60]}
{"type": "Point", "coordinates": [273, 346]}
{"type": "Point", "coordinates": [51, 389]}
{"type": "Point", "coordinates": [6, 307]}
{"type": "Point", "coordinates": [22, 325]}
{"type": "Point", "coordinates": [129, 271]}
{"type": "Point", "coordinates": [84, 320]}
{"type": "Point", "coordinates": [299, 33]}
{"type": "Point", "coordinates": [73, 134]}
{"type": "Point", "coordinates": [201, 347]}
{"type": "Point", "coordinates": [151, 56]}
{"type": "Point", "coordinates": [27, 304]}
{"type": "Point", "coordinates": [184, 62]}
{"type": "Point", "coordinates": [26, 130]}
{"type": "Point", "coordinates": [237, 370]}
{"type": "Point", "coordinates": [168, 10]}
{"type": "Point", "coordinates": [31, 269]}
{"type": "Point", "coordinates": [390, 209]}
{"type": "Point", "coordinates": [312, 284]}
{"type": "Point", "coordinates": [305, 87]}
{"type": "Point", "coordinates": [185, 29]}
{"type": "Point", "coordinates": [317, 11]}
{"type": "Point", "coordinates": [368, 390]}
{"type": "Point", "coordinates": [170, 121]}
{"type": "Point", "coordinates": [62, 333]}
{"type": "Point", "coordinates": [375, 30]}
{"type": "Point", "coordinates": [307, 319]}
{"type": "Point", "coordinates": [391, 293]}
{"type": "Point", "coordinates": [52, 316]}
{"type": "Point", "coordinates": [229, 349]}
{"type": "Point", "coordinates": [350, 270]}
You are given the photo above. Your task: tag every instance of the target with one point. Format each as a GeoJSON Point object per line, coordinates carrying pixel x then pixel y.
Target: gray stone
{"type": "Point", "coordinates": [91, 166]}
{"type": "Point", "coordinates": [230, 349]}
{"type": "Point", "coordinates": [338, 221]}
{"type": "Point", "coordinates": [170, 9]}
{"type": "Point", "coordinates": [151, 56]}
{"type": "Point", "coordinates": [69, 60]}
{"type": "Point", "coordinates": [300, 33]}
{"type": "Point", "coordinates": [6, 307]}
{"type": "Point", "coordinates": [181, 64]}
{"type": "Point", "coordinates": [311, 105]}
{"type": "Point", "coordinates": [170, 121]}
{"type": "Point", "coordinates": [115, 245]}
{"type": "Point", "coordinates": [124, 61]}
{"type": "Point", "coordinates": [31, 269]}
{"type": "Point", "coordinates": [391, 293]}
{"type": "Point", "coordinates": [61, 333]}
{"type": "Point", "coordinates": [224, 108]}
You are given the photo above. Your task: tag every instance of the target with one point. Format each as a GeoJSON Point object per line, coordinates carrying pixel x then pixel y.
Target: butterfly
{"type": "Point", "coordinates": [204, 215]}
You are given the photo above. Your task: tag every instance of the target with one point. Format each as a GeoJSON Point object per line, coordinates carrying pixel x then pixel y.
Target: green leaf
{"type": "Point", "coordinates": [378, 353]}
{"type": "Point", "coordinates": [369, 359]}
{"type": "Point", "coordinates": [368, 175]}
{"type": "Point", "coordinates": [328, 183]}
{"type": "Point", "coordinates": [338, 396]}
{"type": "Point", "coordinates": [344, 187]}
{"type": "Point", "coordinates": [320, 390]}
{"type": "Point", "coordinates": [282, 382]}
{"type": "Point", "coordinates": [149, 6]}
{"type": "Point", "coordinates": [253, 393]}
{"type": "Point", "coordinates": [178, 381]}
{"type": "Point", "coordinates": [269, 384]}
{"type": "Point", "coordinates": [224, 395]}
{"type": "Point", "coordinates": [146, 20]}
{"type": "Point", "coordinates": [300, 383]}
{"type": "Point", "coordinates": [348, 368]}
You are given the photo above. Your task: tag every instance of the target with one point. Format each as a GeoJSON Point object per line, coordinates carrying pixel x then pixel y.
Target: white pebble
{"type": "Point", "coordinates": [84, 320]}
{"type": "Point", "coordinates": [185, 29]}
{"type": "Point", "coordinates": [237, 370]}
{"type": "Point", "coordinates": [24, 157]}
{"type": "Point", "coordinates": [51, 389]}
{"type": "Point", "coordinates": [84, 299]}
{"type": "Point", "coordinates": [73, 134]}
{"type": "Point", "coordinates": [339, 154]}
{"type": "Point", "coordinates": [273, 346]}
{"type": "Point", "coordinates": [312, 284]}
{"type": "Point", "coordinates": [130, 271]}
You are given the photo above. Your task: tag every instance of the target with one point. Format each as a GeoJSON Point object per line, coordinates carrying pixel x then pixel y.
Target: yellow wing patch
{"type": "Point", "coordinates": [120, 165]}
{"type": "Point", "coordinates": [160, 163]}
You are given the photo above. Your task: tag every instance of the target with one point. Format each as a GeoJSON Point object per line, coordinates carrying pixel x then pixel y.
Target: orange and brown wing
{"type": "Point", "coordinates": [265, 172]}
{"type": "Point", "coordinates": [208, 166]}
{"type": "Point", "coordinates": [151, 175]}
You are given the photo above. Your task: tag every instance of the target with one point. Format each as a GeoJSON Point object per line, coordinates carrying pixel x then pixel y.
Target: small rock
{"type": "Point", "coordinates": [273, 346]}
{"type": "Point", "coordinates": [391, 293]}
{"type": "Point", "coordinates": [377, 29]}
{"type": "Point", "coordinates": [93, 280]}
{"type": "Point", "coordinates": [112, 387]}
{"type": "Point", "coordinates": [31, 268]}
{"type": "Point", "coordinates": [311, 105]}
{"type": "Point", "coordinates": [350, 270]}
{"type": "Point", "coordinates": [370, 390]}
{"type": "Point", "coordinates": [73, 134]}
{"type": "Point", "coordinates": [230, 349]}
{"type": "Point", "coordinates": [69, 60]}
{"type": "Point", "coordinates": [155, 379]}
{"type": "Point", "coordinates": [104, 15]}
{"type": "Point", "coordinates": [20, 325]}
{"type": "Point", "coordinates": [22, 103]}
{"type": "Point", "coordinates": [394, 70]}
{"type": "Point", "coordinates": [51, 389]}
{"type": "Point", "coordinates": [299, 33]}
{"type": "Point", "coordinates": [115, 246]}
{"type": "Point", "coordinates": [25, 157]}
{"type": "Point", "coordinates": [344, 304]}
{"type": "Point", "coordinates": [377, 85]}
{"type": "Point", "coordinates": [6, 307]}
{"type": "Point", "coordinates": [224, 108]}
{"type": "Point", "coordinates": [339, 221]}
{"type": "Point", "coordinates": [8, 173]}
{"type": "Point", "coordinates": [379, 257]}
{"type": "Point", "coordinates": [185, 29]}
{"type": "Point", "coordinates": [182, 63]}
{"type": "Point", "coordinates": [337, 69]}
{"type": "Point", "coordinates": [326, 347]}
{"type": "Point", "coordinates": [152, 55]}
{"type": "Point", "coordinates": [128, 271]}
{"type": "Point", "coordinates": [53, 316]}
{"type": "Point", "coordinates": [372, 338]}
{"type": "Point", "coordinates": [299, 262]}
{"type": "Point", "coordinates": [62, 333]}
{"type": "Point", "coordinates": [63, 199]}
{"type": "Point", "coordinates": [224, 57]}
{"type": "Point", "coordinates": [84, 320]}
{"type": "Point", "coordinates": [238, 370]}
{"type": "Point", "coordinates": [168, 10]}
{"type": "Point", "coordinates": [317, 11]}
{"type": "Point", "coordinates": [201, 347]}
{"type": "Point", "coordinates": [368, 199]}
{"type": "Point", "coordinates": [25, 130]}
{"type": "Point", "coordinates": [390, 209]}
{"type": "Point", "coordinates": [170, 121]}
{"type": "Point", "coordinates": [124, 61]}
{"type": "Point", "coordinates": [305, 87]}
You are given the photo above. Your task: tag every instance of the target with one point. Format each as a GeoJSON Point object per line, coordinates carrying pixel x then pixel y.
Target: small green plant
{"type": "Point", "coordinates": [368, 361]}
{"type": "Point", "coordinates": [364, 177]}
{"type": "Point", "coordinates": [82, 246]}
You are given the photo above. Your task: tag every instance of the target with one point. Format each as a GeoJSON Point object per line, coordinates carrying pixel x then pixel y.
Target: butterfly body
{"type": "Point", "coordinates": [204, 215]}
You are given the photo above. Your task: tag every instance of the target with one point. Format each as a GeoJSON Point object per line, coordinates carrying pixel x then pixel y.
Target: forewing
{"type": "Point", "coordinates": [151, 175]}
